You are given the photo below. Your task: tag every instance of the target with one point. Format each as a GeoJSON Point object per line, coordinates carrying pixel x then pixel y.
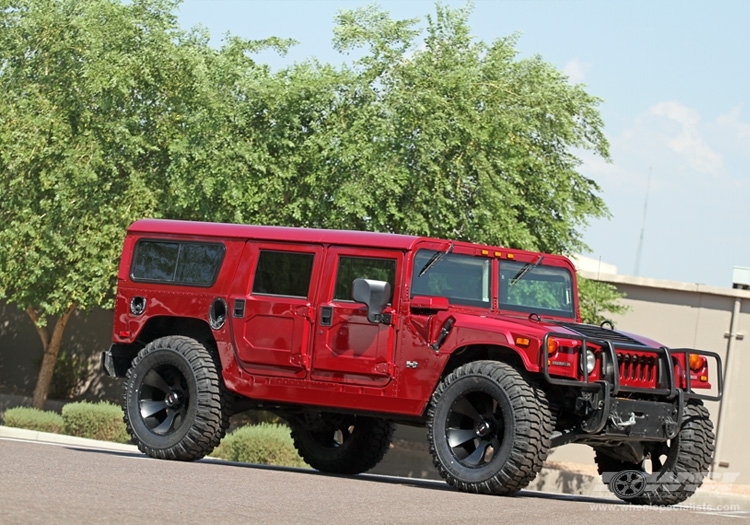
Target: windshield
{"type": "Point", "coordinates": [544, 290]}
{"type": "Point", "coordinates": [463, 279]}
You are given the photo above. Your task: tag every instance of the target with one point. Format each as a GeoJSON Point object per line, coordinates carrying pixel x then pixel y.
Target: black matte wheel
{"type": "Point", "coordinates": [342, 444]}
{"type": "Point", "coordinates": [173, 400]}
{"type": "Point", "coordinates": [489, 429]}
{"type": "Point", "coordinates": [672, 470]}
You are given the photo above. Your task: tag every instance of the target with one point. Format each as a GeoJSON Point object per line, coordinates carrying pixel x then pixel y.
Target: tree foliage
{"type": "Point", "coordinates": [596, 299]}
{"type": "Point", "coordinates": [111, 112]}
{"type": "Point", "coordinates": [93, 95]}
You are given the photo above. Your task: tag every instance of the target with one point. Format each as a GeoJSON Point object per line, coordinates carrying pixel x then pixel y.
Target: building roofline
{"type": "Point", "coordinates": [666, 285]}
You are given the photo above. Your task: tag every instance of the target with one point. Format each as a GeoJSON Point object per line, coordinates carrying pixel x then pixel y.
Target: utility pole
{"type": "Point", "coordinates": [643, 227]}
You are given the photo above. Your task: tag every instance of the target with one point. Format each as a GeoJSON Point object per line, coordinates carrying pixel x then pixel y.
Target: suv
{"type": "Point", "coordinates": [344, 333]}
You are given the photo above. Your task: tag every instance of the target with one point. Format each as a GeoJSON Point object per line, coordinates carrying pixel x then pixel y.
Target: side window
{"type": "Point", "coordinates": [283, 273]}
{"type": "Point", "coordinates": [173, 262]}
{"type": "Point", "coordinates": [351, 268]}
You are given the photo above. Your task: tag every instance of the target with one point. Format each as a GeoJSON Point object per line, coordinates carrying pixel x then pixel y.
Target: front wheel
{"type": "Point", "coordinates": [672, 471]}
{"type": "Point", "coordinates": [341, 443]}
{"type": "Point", "coordinates": [489, 428]}
{"type": "Point", "coordinates": [172, 400]}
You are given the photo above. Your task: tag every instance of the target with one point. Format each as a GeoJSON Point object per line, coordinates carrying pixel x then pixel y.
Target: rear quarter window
{"type": "Point", "coordinates": [177, 262]}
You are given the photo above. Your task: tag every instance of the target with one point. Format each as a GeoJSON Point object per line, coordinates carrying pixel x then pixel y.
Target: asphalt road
{"type": "Point", "coordinates": [46, 483]}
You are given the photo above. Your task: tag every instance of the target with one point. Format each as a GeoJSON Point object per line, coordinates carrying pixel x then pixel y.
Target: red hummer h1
{"type": "Point", "coordinates": [344, 333]}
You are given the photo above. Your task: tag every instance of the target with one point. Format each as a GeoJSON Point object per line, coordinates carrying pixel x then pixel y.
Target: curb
{"type": "Point", "coordinates": [62, 439]}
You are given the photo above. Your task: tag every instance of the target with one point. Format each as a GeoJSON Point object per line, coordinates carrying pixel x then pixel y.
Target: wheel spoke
{"type": "Point", "coordinates": [458, 436]}
{"type": "Point", "coordinates": [155, 380]}
{"type": "Point", "coordinates": [150, 407]}
{"type": "Point", "coordinates": [477, 457]}
{"type": "Point", "coordinates": [165, 425]}
{"type": "Point", "coordinates": [465, 407]}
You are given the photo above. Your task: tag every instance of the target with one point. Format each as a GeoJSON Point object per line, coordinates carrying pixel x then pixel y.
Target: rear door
{"type": "Point", "coordinates": [348, 348]}
{"type": "Point", "coordinates": [272, 322]}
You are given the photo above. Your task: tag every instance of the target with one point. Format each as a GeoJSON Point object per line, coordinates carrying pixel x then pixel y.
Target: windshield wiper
{"type": "Point", "coordinates": [436, 257]}
{"type": "Point", "coordinates": [526, 269]}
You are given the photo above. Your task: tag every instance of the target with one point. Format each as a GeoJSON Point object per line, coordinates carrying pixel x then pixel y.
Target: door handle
{"type": "Point", "coordinates": [326, 315]}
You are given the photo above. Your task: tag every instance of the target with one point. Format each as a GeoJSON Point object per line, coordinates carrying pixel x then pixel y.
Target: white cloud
{"type": "Point", "coordinates": [731, 122]}
{"type": "Point", "coordinates": [576, 70]}
{"type": "Point", "coordinates": [689, 143]}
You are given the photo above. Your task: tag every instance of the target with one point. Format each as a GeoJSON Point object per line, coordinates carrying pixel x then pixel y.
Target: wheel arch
{"type": "Point", "coordinates": [482, 352]}
{"type": "Point", "coordinates": [155, 328]}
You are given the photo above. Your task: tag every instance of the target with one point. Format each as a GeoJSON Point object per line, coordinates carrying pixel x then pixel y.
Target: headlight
{"type": "Point", "coordinates": [590, 361]}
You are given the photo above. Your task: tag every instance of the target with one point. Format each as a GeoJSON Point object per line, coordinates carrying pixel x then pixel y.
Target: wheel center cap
{"type": "Point", "coordinates": [172, 399]}
{"type": "Point", "coordinates": [483, 428]}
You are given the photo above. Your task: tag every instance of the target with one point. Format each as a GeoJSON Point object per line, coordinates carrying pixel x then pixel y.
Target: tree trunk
{"type": "Point", "coordinates": [51, 345]}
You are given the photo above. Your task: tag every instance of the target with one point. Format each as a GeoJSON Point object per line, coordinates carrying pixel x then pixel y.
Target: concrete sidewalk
{"type": "Point", "coordinates": [410, 464]}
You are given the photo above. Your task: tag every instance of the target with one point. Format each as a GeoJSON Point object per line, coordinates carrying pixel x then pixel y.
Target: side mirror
{"type": "Point", "coordinates": [374, 294]}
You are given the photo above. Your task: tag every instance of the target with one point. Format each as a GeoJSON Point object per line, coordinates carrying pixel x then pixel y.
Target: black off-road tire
{"type": "Point", "coordinates": [677, 467]}
{"type": "Point", "coordinates": [489, 428]}
{"type": "Point", "coordinates": [174, 400]}
{"type": "Point", "coordinates": [343, 444]}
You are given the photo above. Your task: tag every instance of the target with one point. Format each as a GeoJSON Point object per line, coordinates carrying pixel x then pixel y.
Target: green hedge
{"type": "Point", "coordinates": [102, 421]}
{"type": "Point", "coordinates": [34, 419]}
{"type": "Point", "coordinates": [264, 444]}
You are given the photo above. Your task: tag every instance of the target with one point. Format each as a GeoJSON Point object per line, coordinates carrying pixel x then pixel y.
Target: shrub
{"type": "Point", "coordinates": [34, 419]}
{"type": "Point", "coordinates": [102, 421]}
{"type": "Point", "coordinates": [264, 444]}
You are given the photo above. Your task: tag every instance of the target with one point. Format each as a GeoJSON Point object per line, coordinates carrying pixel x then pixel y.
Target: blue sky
{"type": "Point", "coordinates": [675, 80]}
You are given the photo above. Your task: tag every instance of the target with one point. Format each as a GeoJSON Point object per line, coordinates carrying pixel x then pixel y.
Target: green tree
{"type": "Point", "coordinates": [93, 93]}
{"type": "Point", "coordinates": [457, 138]}
{"type": "Point", "coordinates": [110, 113]}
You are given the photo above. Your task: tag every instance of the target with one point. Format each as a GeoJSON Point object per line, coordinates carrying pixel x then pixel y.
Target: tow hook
{"type": "Point", "coordinates": [620, 424]}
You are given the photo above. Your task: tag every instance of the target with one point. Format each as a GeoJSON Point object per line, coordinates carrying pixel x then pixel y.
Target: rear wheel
{"type": "Point", "coordinates": [672, 471]}
{"type": "Point", "coordinates": [342, 444]}
{"type": "Point", "coordinates": [489, 428]}
{"type": "Point", "coordinates": [173, 400]}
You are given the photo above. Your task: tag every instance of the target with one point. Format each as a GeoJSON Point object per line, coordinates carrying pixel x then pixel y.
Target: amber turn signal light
{"type": "Point", "coordinates": [696, 362]}
{"type": "Point", "coordinates": [552, 346]}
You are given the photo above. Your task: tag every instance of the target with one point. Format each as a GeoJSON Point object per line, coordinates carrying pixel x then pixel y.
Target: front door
{"type": "Point", "coordinates": [348, 348]}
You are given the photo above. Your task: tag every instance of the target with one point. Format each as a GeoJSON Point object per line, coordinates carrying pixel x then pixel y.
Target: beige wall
{"type": "Point", "coordinates": [21, 351]}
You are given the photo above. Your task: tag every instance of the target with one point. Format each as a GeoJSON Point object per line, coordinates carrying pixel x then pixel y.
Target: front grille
{"type": "Point", "coordinates": [637, 369]}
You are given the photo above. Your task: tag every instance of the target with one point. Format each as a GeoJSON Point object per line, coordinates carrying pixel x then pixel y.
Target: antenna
{"type": "Point", "coordinates": [643, 226]}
